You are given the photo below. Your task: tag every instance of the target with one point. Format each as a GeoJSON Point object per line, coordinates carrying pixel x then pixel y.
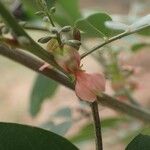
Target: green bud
{"type": "Point", "coordinates": [5, 30]}
{"type": "Point", "coordinates": [45, 39]}
{"type": "Point", "coordinates": [54, 30]}
{"type": "Point", "coordinates": [43, 2]}
{"type": "Point", "coordinates": [74, 43]}
{"type": "Point", "coordinates": [53, 45]}
{"type": "Point", "coordinates": [52, 10]}
{"type": "Point", "coordinates": [45, 19]}
{"type": "Point", "coordinates": [39, 13]}
{"type": "Point", "coordinates": [22, 23]}
{"type": "Point", "coordinates": [66, 29]}
{"type": "Point", "coordinates": [76, 34]}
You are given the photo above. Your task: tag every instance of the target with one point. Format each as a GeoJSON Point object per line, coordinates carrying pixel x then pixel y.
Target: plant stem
{"type": "Point", "coordinates": [133, 110]}
{"type": "Point", "coordinates": [97, 125]}
{"type": "Point", "coordinates": [119, 36]}
{"type": "Point", "coordinates": [105, 100]}
{"type": "Point", "coordinates": [50, 19]}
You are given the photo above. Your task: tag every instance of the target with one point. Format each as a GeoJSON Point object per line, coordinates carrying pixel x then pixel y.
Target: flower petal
{"type": "Point", "coordinates": [89, 86]}
{"type": "Point", "coordinates": [69, 59]}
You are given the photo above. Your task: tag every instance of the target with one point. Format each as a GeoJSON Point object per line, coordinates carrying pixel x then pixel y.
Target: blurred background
{"type": "Point", "coordinates": [62, 112]}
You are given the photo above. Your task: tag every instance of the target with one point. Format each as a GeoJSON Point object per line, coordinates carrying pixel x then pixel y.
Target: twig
{"type": "Point", "coordinates": [131, 110]}
{"type": "Point", "coordinates": [97, 125]}
{"type": "Point", "coordinates": [119, 36]}
{"type": "Point", "coordinates": [33, 63]}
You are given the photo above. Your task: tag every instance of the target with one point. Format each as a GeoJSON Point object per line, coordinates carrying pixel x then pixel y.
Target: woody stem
{"type": "Point", "coordinates": [97, 125]}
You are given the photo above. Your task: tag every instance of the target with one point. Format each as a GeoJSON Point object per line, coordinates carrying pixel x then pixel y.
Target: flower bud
{"type": "Point", "coordinates": [22, 23]}
{"type": "Point", "coordinates": [39, 13]}
{"type": "Point", "coordinates": [53, 10]}
{"type": "Point", "coordinates": [74, 43]}
{"type": "Point", "coordinates": [66, 29]}
{"type": "Point", "coordinates": [53, 46]}
{"type": "Point", "coordinates": [68, 58]}
{"type": "Point", "coordinates": [45, 19]}
{"type": "Point", "coordinates": [5, 30]}
{"type": "Point", "coordinates": [76, 34]}
{"type": "Point", "coordinates": [45, 39]}
{"type": "Point", "coordinates": [54, 30]}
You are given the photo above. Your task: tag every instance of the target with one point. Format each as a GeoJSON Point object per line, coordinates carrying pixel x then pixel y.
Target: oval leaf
{"type": "Point", "coordinates": [21, 137]}
{"type": "Point", "coordinates": [116, 25]}
{"type": "Point", "coordinates": [140, 23]}
{"type": "Point", "coordinates": [94, 25]}
{"type": "Point", "coordinates": [140, 142]}
{"type": "Point", "coordinates": [67, 12]}
{"type": "Point", "coordinates": [137, 47]}
{"type": "Point", "coordinates": [63, 112]}
{"type": "Point", "coordinates": [86, 133]}
{"type": "Point", "coordinates": [43, 88]}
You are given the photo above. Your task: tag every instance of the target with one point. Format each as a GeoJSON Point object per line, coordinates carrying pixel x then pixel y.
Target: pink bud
{"type": "Point", "coordinates": [68, 59]}
{"type": "Point", "coordinates": [89, 86]}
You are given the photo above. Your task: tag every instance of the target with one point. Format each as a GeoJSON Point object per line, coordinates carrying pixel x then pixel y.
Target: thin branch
{"type": "Point", "coordinates": [97, 125]}
{"type": "Point", "coordinates": [119, 36]}
{"type": "Point", "coordinates": [34, 64]}
{"type": "Point", "coordinates": [131, 110]}
{"type": "Point", "coordinates": [50, 19]}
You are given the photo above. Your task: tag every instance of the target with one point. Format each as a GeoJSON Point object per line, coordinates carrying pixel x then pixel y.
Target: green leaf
{"type": "Point", "coordinates": [60, 128]}
{"type": "Point", "coordinates": [86, 133]}
{"type": "Point", "coordinates": [94, 25]}
{"type": "Point", "coordinates": [22, 137]}
{"type": "Point", "coordinates": [145, 32]}
{"type": "Point", "coordinates": [32, 6]}
{"type": "Point", "coordinates": [139, 46]}
{"type": "Point", "coordinates": [50, 3]}
{"type": "Point", "coordinates": [67, 12]}
{"type": "Point", "coordinates": [112, 122]}
{"type": "Point", "coordinates": [144, 130]}
{"type": "Point", "coordinates": [140, 142]}
{"type": "Point", "coordinates": [63, 112]}
{"type": "Point", "coordinates": [116, 25]}
{"type": "Point", "coordinates": [140, 23]}
{"type": "Point", "coordinates": [43, 88]}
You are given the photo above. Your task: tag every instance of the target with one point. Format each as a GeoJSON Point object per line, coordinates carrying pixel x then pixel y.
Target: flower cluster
{"type": "Point", "coordinates": [87, 86]}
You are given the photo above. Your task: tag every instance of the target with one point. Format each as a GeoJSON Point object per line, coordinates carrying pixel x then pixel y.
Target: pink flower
{"type": "Point", "coordinates": [67, 57]}
{"type": "Point", "coordinates": [89, 86]}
